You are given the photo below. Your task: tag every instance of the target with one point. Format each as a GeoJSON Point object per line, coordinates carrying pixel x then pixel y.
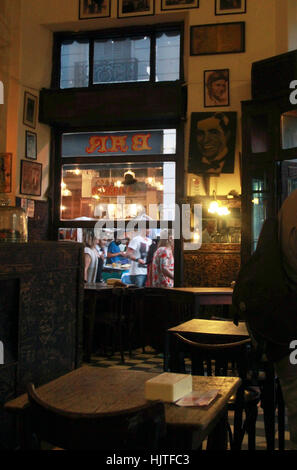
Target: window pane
{"type": "Point", "coordinates": [122, 60]}
{"type": "Point", "coordinates": [118, 191]}
{"type": "Point", "coordinates": [74, 64]}
{"type": "Point", "coordinates": [167, 57]}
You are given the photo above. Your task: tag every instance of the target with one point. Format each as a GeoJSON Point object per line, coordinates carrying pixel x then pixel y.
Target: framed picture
{"type": "Point", "coordinates": [5, 172]}
{"type": "Point", "coordinates": [230, 7]}
{"type": "Point", "coordinates": [94, 9]}
{"type": "Point", "coordinates": [216, 87]}
{"type": "Point", "coordinates": [128, 8]}
{"type": "Point", "coordinates": [31, 145]}
{"type": "Point", "coordinates": [31, 176]}
{"type": "Point", "coordinates": [212, 143]}
{"type": "Point", "coordinates": [30, 110]}
{"type": "Point", "coordinates": [218, 38]}
{"type": "Point", "coordinates": [179, 4]}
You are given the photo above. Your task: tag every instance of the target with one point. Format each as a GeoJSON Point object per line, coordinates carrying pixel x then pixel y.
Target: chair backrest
{"type": "Point", "coordinates": [163, 309]}
{"type": "Point", "coordinates": [137, 428]}
{"type": "Point", "coordinates": [210, 359]}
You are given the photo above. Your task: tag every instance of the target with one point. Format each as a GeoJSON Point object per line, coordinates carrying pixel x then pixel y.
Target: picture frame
{"type": "Point", "coordinates": [89, 9]}
{"type": "Point", "coordinates": [216, 88]}
{"type": "Point", "coordinates": [132, 8]}
{"type": "Point", "coordinates": [5, 172]}
{"type": "Point", "coordinates": [30, 110]}
{"type": "Point", "coordinates": [178, 4]}
{"type": "Point", "coordinates": [217, 38]}
{"type": "Point", "coordinates": [208, 156]}
{"type": "Point", "coordinates": [31, 145]}
{"type": "Point", "coordinates": [31, 178]}
{"type": "Point", "coordinates": [230, 7]}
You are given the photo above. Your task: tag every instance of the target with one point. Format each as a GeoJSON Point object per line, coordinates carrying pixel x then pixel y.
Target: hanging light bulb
{"type": "Point", "coordinates": [216, 208]}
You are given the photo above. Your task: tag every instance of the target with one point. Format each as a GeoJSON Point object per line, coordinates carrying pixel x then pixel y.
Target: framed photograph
{"type": "Point", "coordinates": [128, 8]}
{"type": "Point", "coordinates": [94, 9]}
{"type": "Point", "coordinates": [216, 87]}
{"type": "Point", "coordinates": [179, 4]}
{"type": "Point", "coordinates": [218, 38]}
{"type": "Point", "coordinates": [31, 177]}
{"type": "Point", "coordinates": [230, 7]}
{"type": "Point", "coordinates": [5, 172]}
{"type": "Point", "coordinates": [31, 145]}
{"type": "Point", "coordinates": [212, 143]}
{"type": "Point", "coordinates": [30, 110]}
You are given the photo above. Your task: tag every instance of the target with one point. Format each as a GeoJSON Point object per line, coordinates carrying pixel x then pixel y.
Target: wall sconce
{"type": "Point", "coordinates": [215, 207]}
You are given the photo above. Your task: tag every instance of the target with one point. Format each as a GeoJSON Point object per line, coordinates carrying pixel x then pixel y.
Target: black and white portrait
{"type": "Point", "coordinates": [229, 7]}
{"type": "Point", "coordinates": [212, 143]}
{"type": "Point", "coordinates": [216, 87]}
{"type": "Point", "coordinates": [94, 9]}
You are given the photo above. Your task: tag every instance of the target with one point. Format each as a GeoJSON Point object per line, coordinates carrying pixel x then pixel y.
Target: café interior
{"type": "Point", "coordinates": [140, 118]}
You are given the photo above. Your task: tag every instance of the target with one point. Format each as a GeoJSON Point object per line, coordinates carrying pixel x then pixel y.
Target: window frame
{"type": "Point", "coordinates": [148, 30]}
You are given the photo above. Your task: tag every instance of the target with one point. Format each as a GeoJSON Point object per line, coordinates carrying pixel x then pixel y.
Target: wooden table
{"type": "Point", "coordinates": [94, 390]}
{"type": "Point", "coordinates": [210, 331]}
{"type": "Point", "coordinates": [207, 295]}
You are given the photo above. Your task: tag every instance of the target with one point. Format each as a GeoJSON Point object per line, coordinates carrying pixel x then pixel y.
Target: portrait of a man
{"type": "Point", "coordinates": [216, 87]}
{"type": "Point", "coordinates": [230, 4]}
{"type": "Point", "coordinates": [229, 7]}
{"type": "Point", "coordinates": [212, 143]}
{"type": "Point", "coordinates": [94, 8]}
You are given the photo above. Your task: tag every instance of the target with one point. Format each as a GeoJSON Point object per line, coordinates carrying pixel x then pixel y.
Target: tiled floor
{"type": "Point", "coordinates": [152, 361]}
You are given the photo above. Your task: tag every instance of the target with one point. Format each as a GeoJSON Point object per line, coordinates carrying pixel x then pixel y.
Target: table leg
{"type": "Point", "coordinates": [89, 320]}
{"type": "Point", "coordinates": [218, 438]}
{"type": "Point", "coordinates": [268, 404]}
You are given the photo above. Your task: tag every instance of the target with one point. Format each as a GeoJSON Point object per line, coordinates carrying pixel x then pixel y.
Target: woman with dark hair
{"type": "Point", "coordinates": [163, 261]}
{"type": "Point", "coordinates": [149, 260]}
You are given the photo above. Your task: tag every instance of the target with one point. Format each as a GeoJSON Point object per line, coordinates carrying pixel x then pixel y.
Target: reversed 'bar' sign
{"type": "Point", "coordinates": [1, 93]}
{"type": "Point", "coordinates": [1, 353]}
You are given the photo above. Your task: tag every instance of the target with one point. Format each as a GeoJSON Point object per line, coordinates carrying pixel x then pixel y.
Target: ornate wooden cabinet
{"type": "Point", "coordinates": [41, 295]}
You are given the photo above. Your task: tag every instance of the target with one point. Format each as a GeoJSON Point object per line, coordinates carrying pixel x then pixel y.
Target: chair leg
{"type": "Point", "coordinates": [280, 416]}
{"type": "Point", "coordinates": [251, 418]}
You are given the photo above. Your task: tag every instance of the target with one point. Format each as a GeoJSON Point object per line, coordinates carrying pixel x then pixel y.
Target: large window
{"type": "Point", "coordinates": [118, 191]}
{"type": "Point", "coordinates": [152, 55]}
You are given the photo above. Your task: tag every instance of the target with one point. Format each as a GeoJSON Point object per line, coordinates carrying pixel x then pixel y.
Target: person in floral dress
{"type": "Point", "coordinates": [163, 261]}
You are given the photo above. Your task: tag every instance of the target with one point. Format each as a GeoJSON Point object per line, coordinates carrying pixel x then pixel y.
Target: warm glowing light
{"type": "Point", "coordinates": [213, 207]}
{"type": "Point", "coordinates": [63, 208]}
{"type": "Point", "coordinates": [96, 197]}
{"type": "Point", "coordinates": [223, 210]}
{"type": "Point", "coordinates": [255, 200]}
{"type": "Point", "coordinates": [118, 183]}
{"type": "Point", "coordinates": [77, 171]}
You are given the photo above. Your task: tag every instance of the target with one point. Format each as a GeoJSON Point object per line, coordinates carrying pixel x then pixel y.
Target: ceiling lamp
{"type": "Point", "coordinates": [215, 207]}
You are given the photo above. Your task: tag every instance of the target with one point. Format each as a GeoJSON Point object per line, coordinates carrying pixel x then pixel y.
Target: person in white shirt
{"type": "Point", "coordinates": [137, 252]}
{"type": "Point", "coordinates": [91, 257]}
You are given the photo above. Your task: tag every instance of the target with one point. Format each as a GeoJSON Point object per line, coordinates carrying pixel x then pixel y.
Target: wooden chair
{"type": "Point", "coordinates": [163, 309]}
{"type": "Point", "coordinates": [223, 360]}
{"type": "Point", "coordinates": [139, 428]}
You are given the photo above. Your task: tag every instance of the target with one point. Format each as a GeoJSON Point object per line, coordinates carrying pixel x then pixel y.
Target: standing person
{"type": "Point", "coordinates": [91, 257]}
{"type": "Point", "coordinates": [137, 252]}
{"type": "Point", "coordinates": [114, 253]}
{"type": "Point", "coordinates": [150, 256]}
{"type": "Point", "coordinates": [163, 261]}
{"type": "Point", "coordinates": [285, 369]}
{"type": "Point", "coordinates": [102, 254]}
